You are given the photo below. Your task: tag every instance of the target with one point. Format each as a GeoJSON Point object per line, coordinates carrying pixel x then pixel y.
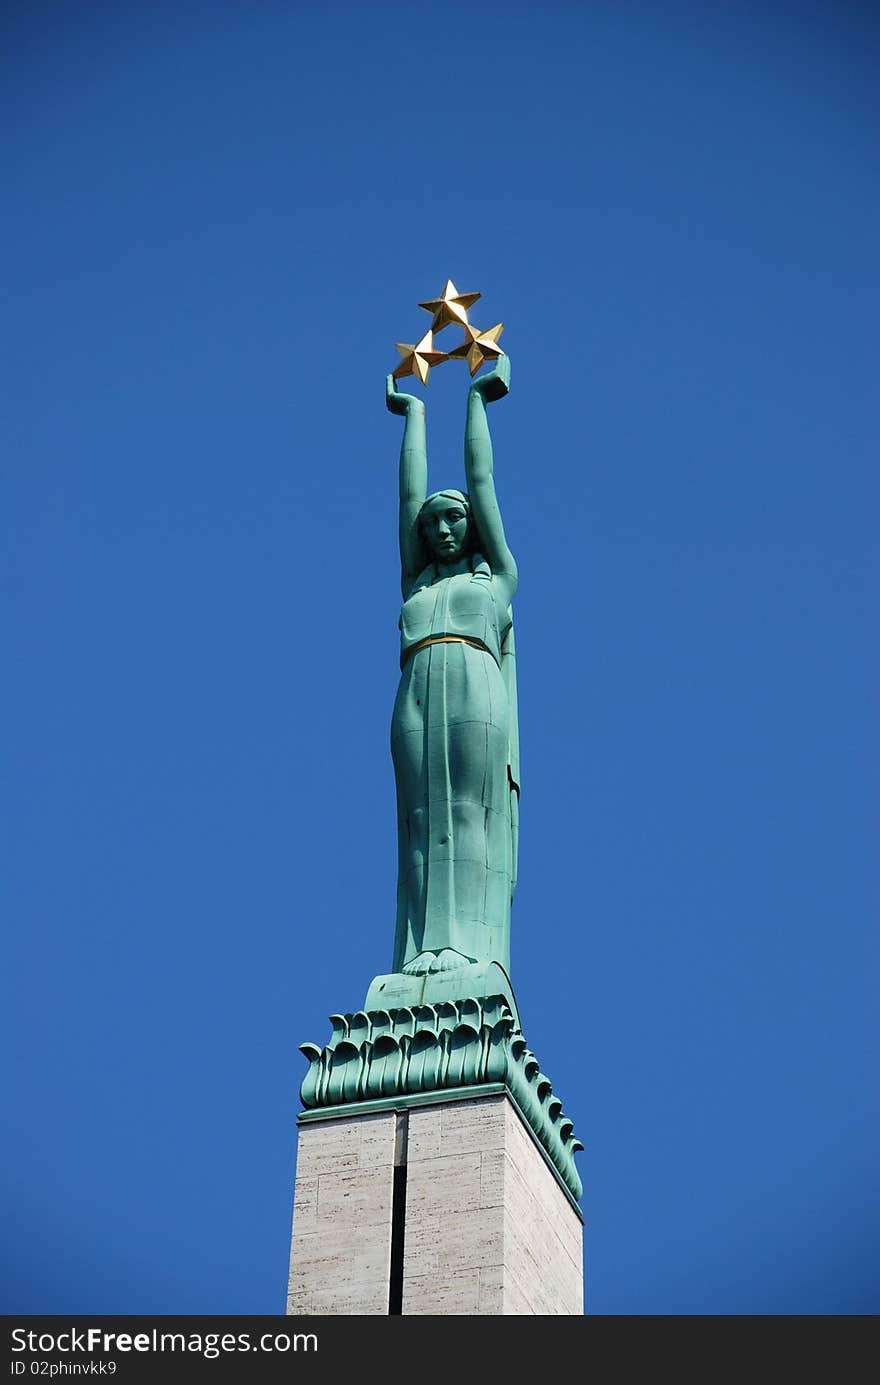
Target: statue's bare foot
{"type": "Point", "coordinates": [449, 960]}
{"type": "Point", "coordinates": [421, 965]}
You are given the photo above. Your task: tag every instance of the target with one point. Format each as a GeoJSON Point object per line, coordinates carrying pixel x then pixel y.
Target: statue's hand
{"type": "Point", "coordinates": [397, 402]}
{"type": "Point", "coordinates": [496, 384]}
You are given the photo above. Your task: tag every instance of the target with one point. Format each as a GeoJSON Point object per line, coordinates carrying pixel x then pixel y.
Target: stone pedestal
{"type": "Point", "coordinates": [434, 1206]}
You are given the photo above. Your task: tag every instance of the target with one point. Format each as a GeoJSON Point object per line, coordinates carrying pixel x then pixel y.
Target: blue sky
{"type": "Point", "coordinates": [219, 220]}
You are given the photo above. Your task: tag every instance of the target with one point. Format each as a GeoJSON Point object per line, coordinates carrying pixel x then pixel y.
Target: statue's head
{"type": "Point", "coordinates": [446, 526]}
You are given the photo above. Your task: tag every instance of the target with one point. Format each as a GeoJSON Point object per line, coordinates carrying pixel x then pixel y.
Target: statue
{"type": "Point", "coordinates": [444, 1022]}
{"type": "Point", "coordinates": [454, 728]}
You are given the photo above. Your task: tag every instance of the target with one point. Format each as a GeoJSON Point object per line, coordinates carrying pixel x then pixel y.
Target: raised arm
{"type": "Point", "coordinates": [413, 480]}
{"type": "Point", "coordinates": [478, 465]}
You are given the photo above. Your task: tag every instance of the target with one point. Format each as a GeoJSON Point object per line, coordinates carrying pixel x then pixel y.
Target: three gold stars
{"type": "Point", "coordinates": [449, 310]}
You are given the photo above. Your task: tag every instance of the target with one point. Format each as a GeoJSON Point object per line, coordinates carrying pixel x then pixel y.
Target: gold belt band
{"type": "Point", "coordinates": [443, 639]}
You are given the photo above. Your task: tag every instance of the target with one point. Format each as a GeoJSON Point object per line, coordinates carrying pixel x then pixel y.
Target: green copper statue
{"type": "Point", "coordinates": [454, 730]}
{"type": "Point", "coordinates": [444, 1023]}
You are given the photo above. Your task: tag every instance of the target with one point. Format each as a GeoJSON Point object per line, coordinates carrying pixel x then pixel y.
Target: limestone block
{"type": "Point", "coordinates": [480, 1196]}
{"type": "Point", "coordinates": [466, 1126]}
{"type": "Point", "coordinates": [340, 1271]}
{"type": "Point", "coordinates": [340, 1253]}
{"type": "Point", "coordinates": [461, 1176]}
{"type": "Point", "coordinates": [356, 1198]}
{"type": "Point", "coordinates": [491, 1297]}
{"type": "Point", "coordinates": [424, 1134]}
{"type": "Point", "coordinates": [458, 1294]}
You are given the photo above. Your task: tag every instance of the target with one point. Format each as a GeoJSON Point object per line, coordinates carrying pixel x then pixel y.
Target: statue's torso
{"type": "Point", "coordinates": [464, 604]}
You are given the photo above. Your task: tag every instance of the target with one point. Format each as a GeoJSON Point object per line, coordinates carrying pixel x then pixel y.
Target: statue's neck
{"type": "Point", "coordinates": [452, 569]}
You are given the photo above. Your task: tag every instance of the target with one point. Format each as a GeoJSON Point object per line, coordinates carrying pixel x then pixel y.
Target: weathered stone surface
{"type": "Point", "coordinates": [424, 1135]}
{"type": "Point", "coordinates": [340, 1257]}
{"type": "Point", "coordinates": [481, 1197]}
{"type": "Point", "coordinates": [460, 1295]}
{"type": "Point", "coordinates": [460, 1174]}
{"type": "Point", "coordinates": [488, 1229]}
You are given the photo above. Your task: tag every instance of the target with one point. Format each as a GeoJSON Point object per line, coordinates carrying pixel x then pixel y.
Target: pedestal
{"type": "Point", "coordinates": [434, 1206]}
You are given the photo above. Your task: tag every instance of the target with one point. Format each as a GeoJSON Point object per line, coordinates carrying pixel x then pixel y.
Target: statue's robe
{"type": "Point", "coordinates": [455, 749]}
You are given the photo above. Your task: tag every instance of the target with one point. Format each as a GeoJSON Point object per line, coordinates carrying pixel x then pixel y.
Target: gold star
{"type": "Point", "coordinates": [479, 347]}
{"type": "Point", "coordinates": [450, 308]}
{"type": "Point", "coordinates": [418, 358]}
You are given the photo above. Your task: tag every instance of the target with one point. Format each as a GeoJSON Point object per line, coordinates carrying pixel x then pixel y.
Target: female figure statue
{"type": "Point", "coordinates": [454, 727]}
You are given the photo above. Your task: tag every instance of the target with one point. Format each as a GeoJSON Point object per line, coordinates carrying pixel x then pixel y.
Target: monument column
{"type": "Point", "coordinates": [435, 1167]}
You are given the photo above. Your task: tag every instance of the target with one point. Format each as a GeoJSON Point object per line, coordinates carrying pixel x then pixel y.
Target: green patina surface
{"type": "Point", "coordinates": [454, 728]}
{"type": "Point", "coordinates": [422, 1049]}
{"type": "Point", "coordinates": [445, 1018]}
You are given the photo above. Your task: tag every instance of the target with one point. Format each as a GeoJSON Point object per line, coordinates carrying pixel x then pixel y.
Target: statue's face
{"type": "Point", "coordinates": [444, 527]}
